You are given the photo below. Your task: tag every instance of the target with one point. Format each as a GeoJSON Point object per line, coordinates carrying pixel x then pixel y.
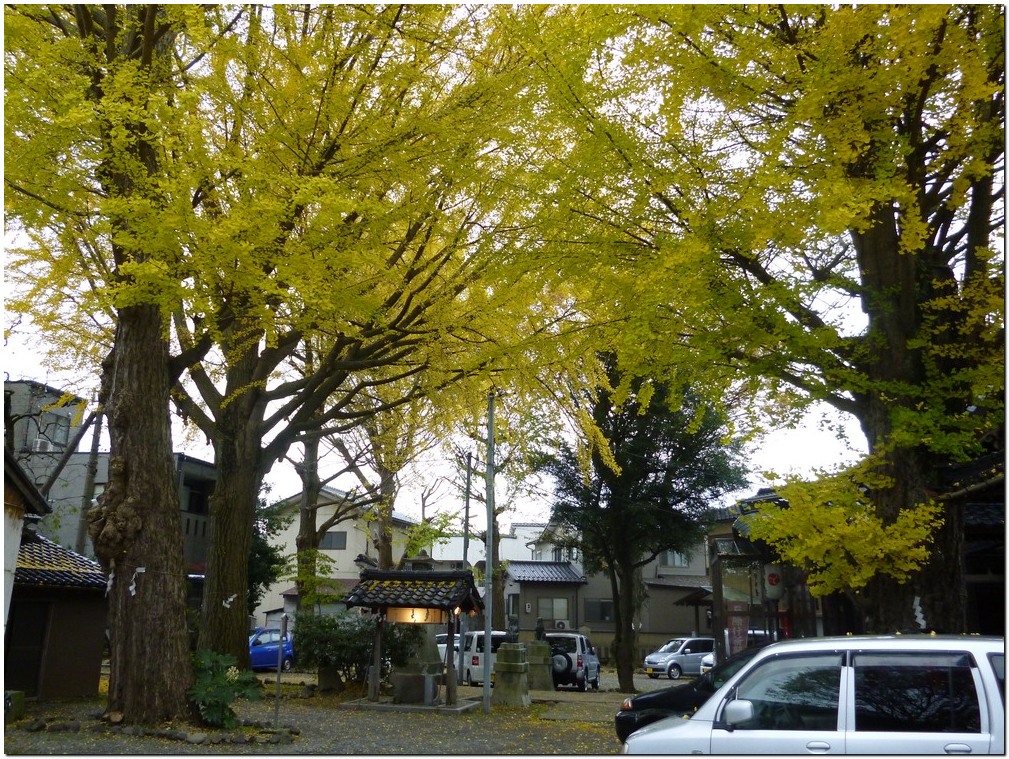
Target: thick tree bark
{"type": "Point", "coordinates": [382, 530]}
{"type": "Point", "coordinates": [498, 617]}
{"type": "Point", "coordinates": [137, 531]}
{"type": "Point", "coordinates": [897, 284]}
{"type": "Point", "coordinates": [307, 541]}
{"type": "Point", "coordinates": [224, 621]}
{"type": "Point", "coordinates": [624, 638]}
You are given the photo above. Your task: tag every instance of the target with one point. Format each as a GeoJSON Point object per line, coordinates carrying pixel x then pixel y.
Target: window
{"type": "Point", "coordinates": [558, 553]}
{"type": "Point", "coordinates": [598, 610]}
{"type": "Point", "coordinates": [793, 693]}
{"type": "Point", "coordinates": [537, 555]}
{"type": "Point", "coordinates": [57, 428]}
{"type": "Point", "coordinates": [334, 540]}
{"type": "Point", "coordinates": [495, 642]}
{"type": "Point", "coordinates": [512, 605]}
{"type": "Point", "coordinates": [701, 645]}
{"type": "Point", "coordinates": [922, 692]}
{"type": "Point", "coordinates": [552, 608]}
{"type": "Point", "coordinates": [674, 559]}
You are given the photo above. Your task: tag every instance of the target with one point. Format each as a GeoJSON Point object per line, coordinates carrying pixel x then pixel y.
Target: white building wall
{"type": "Point", "coordinates": [12, 542]}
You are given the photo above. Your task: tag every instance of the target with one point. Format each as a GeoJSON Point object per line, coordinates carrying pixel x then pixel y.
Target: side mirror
{"type": "Point", "coordinates": [738, 711]}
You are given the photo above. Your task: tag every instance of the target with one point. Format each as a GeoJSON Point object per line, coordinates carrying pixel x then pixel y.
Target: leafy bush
{"type": "Point", "coordinates": [347, 641]}
{"type": "Point", "coordinates": [218, 683]}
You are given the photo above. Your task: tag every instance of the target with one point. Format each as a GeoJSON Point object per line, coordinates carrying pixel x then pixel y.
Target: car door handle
{"type": "Point", "coordinates": [818, 747]}
{"type": "Point", "coordinates": [956, 748]}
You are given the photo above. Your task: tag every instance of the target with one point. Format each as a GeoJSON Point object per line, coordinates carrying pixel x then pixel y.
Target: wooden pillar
{"type": "Point", "coordinates": [375, 680]}
{"type": "Point", "coordinates": [451, 687]}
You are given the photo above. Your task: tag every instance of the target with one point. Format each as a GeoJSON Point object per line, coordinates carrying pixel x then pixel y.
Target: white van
{"type": "Point", "coordinates": [473, 652]}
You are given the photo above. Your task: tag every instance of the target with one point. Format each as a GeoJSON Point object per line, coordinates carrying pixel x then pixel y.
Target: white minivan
{"type": "Point", "coordinates": [897, 694]}
{"type": "Point", "coordinates": [473, 652]}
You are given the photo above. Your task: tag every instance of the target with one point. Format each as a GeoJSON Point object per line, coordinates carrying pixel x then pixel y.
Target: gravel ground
{"type": "Point", "coordinates": [558, 722]}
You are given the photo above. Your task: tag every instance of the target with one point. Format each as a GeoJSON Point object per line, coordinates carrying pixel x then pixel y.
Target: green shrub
{"type": "Point", "coordinates": [347, 641]}
{"type": "Point", "coordinates": [218, 683]}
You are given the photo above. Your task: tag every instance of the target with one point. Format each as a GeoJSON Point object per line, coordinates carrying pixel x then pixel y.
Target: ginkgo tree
{"type": "Point", "coordinates": [89, 100]}
{"type": "Point", "coordinates": [208, 186]}
{"type": "Point", "coordinates": [809, 199]}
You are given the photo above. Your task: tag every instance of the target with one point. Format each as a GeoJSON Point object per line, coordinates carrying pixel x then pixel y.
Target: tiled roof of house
{"type": "Point", "coordinates": [45, 564]}
{"type": "Point", "coordinates": [544, 571]}
{"type": "Point", "coordinates": [420, 589]}
{"type": "Point", "coordinates": [985, 515]}
{"type": "Point", "coordinates": [680, 581]}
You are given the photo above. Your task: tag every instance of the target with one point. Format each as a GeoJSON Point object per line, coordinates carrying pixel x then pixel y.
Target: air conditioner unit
{"type": "Point", "coordinates": [41, 445]}
{"type": "Point", "coordinates": [562, 624]}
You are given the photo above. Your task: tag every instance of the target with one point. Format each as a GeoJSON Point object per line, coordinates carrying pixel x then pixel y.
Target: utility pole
{"type": "Point", "coordinates": [463, 625]}
{"type": "Point", "coordinates": [489, 578]}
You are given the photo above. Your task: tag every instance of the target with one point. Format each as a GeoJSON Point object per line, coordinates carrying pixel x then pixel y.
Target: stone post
{"type": "Point", "coordinates": [540, 672]}
{"type": "Point", "coordinates": [511, 684]}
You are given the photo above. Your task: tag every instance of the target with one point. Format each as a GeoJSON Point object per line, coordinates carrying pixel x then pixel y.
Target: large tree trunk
{"type": "Point", "coordinates": [137, 530]}
{"type": "Point", "coordinates": [897, 283]}
{"type": "Point", "coordinates": [625, 644]}
{"type": "Point", "coordinates": [224, 621]}
{"type": "Point", "coordinates": [307, 541]}
{"type": "Point", "coordinates": [498, 617]}
{"type": "Point", "coordinates": [382, 532]}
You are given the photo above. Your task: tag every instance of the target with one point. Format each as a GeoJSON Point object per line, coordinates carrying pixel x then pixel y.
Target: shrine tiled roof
{"type": "Point", "coordinates": [45, 564]}
{"type": "Point", "coordinates": [415, 588]}
{"type": "Point", "coordinates": [543, 571]}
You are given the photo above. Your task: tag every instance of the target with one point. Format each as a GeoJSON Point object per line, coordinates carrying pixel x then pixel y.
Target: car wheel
{"type": "Point", "coordinates": [467, 680]}
{"type": "Point", "coordinates": [653, 676]}
{"type": "Point", "coordinates": [288, 664]}
{"type": "Point", "coordinates": [581, 682]}
{"type": "Point", "coordinates": [595, 683]}
{"type": "Point", "coordinates": [561, 662]}
{"type": "Point", "coordinates": [675, 671]}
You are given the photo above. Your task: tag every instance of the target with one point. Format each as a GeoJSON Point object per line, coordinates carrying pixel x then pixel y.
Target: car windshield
{"type": "Point", "coordinates": [671, 647]}
{"type": "Point", "coordinates": [732, 665]}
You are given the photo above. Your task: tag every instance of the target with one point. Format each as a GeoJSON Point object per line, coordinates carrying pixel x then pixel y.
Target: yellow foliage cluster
{"type": "Point", "coordinates": [831, 529]}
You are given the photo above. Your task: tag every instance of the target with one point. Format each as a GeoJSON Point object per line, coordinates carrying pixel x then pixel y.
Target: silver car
{"type": "Point", "coordinates": [679, 656]}
{"type": "Point", "coordinates": [899, 694]}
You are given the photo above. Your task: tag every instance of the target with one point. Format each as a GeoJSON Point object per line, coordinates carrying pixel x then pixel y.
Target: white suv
{"type": "Point", "coordinates": [573, 660]}
{"type": "Point", "coordinates": [901, 694]}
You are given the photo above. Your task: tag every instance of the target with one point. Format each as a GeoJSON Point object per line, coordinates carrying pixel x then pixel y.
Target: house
{"type": "Point", "coordinates": [55, 637]}
{"type": "Point", "coordinates": [342, 545]}
{"type": "Point", "coordinates": [21, 498]}
{"type": "Point", "coordinates": [552, 584]}
{"type": "Point", "coordinates": [41, 422]}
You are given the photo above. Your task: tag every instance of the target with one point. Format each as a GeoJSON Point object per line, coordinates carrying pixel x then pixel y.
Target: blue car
{"type": "Point", "coordinates": [264, 649]}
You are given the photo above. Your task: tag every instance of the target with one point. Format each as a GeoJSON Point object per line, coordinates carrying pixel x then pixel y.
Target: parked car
{"type": "Point", "coordinates": [573, 660]}
{"type": "Point", "coordinates": [753, 638]}
{"type": "Point", "coordinates": [441, 640]}
{"type": "Point", "coordinates": [684, 699]}
{"type": "Point", "coordinates": [473, 650]}
{"type": "Point", "coordinates": [264, 648]}
{"type": "Point", "coordinates": [678, 656]}
{"type": "Point", "coordinates": [899, 694]}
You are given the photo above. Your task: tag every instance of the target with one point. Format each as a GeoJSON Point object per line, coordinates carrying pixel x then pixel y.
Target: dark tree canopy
{"type": "Point", "coordinates": [667, 462]}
